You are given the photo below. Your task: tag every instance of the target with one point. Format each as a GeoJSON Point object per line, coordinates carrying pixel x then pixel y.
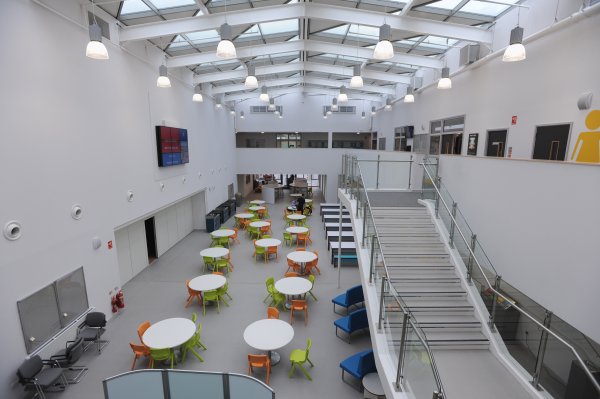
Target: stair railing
{"type": "Point", "coordinates": [492, 288]}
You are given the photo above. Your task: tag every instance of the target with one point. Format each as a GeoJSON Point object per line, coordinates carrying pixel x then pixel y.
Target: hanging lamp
{"type": "Point", "coordinates": [334, 104]}
{"type": "Point", "coordinates": [409, 97]}
{"type": "Point", "coordinates": [342, 97]}
{"type": "Point", "coordinates": [388, 104]}
{"type": "Point", "coordinates": [95, 48]}
{"type": "Point", "coordinates": [384, 49]}
{"type": "Point", "coordinates": [357, 80]}
{"type": "Point", "coordinates": [251, 81]}
{"type": "Point", "coordinates": [264, 96]}
{"type": "Point", "coordinates": [373, 111]}
{"type": "Point", "coordinates": [197, 97]}
{"type": "Point", "coordinates": [445, 82]}
{"type": "Point", "coordinates": [515, 51]}
{"type": "Point", "coordinates": [226, 49]}
{"type": "Point", "coordinates": [241, 114]}
{"type": "Point", "coordinates": [163, 79]}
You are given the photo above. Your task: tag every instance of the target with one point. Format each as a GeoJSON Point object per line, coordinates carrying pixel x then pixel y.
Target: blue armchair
{"type": "Point", "coordinates": [351, 297]}
{"type": "Point", "coordinates": [355, 321]}
{"type": "Point", "coordinates": [359, 365]}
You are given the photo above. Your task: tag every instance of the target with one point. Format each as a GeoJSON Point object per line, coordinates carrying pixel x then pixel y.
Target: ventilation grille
{"type": "Point", "coordinates": [342, 109]}
{"type": "Point", "coordinates": [264, 109]}
{"type": "Point", "coordinates": [102, 23]}
{"type": "Point", "coordinates": [469, 54]}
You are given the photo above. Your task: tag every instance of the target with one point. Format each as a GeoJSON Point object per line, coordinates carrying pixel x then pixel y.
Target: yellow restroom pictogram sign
{"type": "Point", "coordinates": [587, 148]}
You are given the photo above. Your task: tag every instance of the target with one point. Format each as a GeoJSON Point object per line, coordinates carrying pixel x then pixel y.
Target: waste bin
{"type": "Point", "coordinates": [219, 211]}
{"type": "Point", "coordinates": [232, 206]}
{"type": "Point", "coordinates": [213, 222]}
{"type": "Point", "coordinates": [238, 199]}
{"type": "Point", "coordinates": [224, 211]}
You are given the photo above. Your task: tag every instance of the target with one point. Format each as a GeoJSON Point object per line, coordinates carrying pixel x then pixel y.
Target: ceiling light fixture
{"type": "Point", "coordinates": [280, 115]}
{"type": "Point", "coordinates": [251, 81]}
{"type": "Point", "coordinates": [363, 115]}
{"type": "Point", "coordinates": [226, 49]}
{"type": "Point", "coordinates": [445, 82]}
{"type": "Point", "coordinates": [388, 104]}
{"type": "Point", "coordinates": [384, 49]}
{"type": "Point", "coordinates": [163, 80]}
{"type": "Point", "coordinates": [232, 112]}
{"type": "Point", "coordinates": [515, 51]}
{"type": "Point", "coordinates": [197, 97]}
{"type": "Point", "coordinates": [334, 104]}
{"type": "Point", "coordinates": [264, 96]}
{"type": "Point", "coordinates": [241, 114]}
{"type": "Point", "coordinates": [342, 97]}
{"type": "Point", "coordinates": [357, 80]}
{"type": "Point", "coordinates": [373, 111]}
{"type": "Point", "coordinates": [218, 103]}
{"type": "Point", "coordinates": [95, 48]}
{"type": "Point", "coordinates": [271, 106]}
{"type": "Point", "coordinates": [324, 115]}
{"type": "Point", "coordinates": [409, 97]}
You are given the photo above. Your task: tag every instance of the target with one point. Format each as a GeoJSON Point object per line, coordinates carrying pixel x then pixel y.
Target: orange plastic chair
{"type": "Point", "coordinates": [234, 238]}
{"type": "Point", "coordinates": [301, 238]}
{"type": "Point", "coordinates": [292, 274]}
{"type": "Point", "coordinates": [308, 237]}
{"type": "Point", "coordinates": [264, 230]}
{"type": "Point", "coordinates": [142, 329]}
{"type": "Point", "coordinates": [139, 351]}
{"type": "Point", "coordinates": [219, 273]}
{"type": "Point", "coordinates": [293, 266]}
{"type": "Point", "coordinates": [231, 264]}
{"type": "Point", "coordinates": [272, 313]}
{"type": "Point", "coordinates": [192, 294]}
{"type": "Point", "coordinates": [316, 262]}
{"type": "Point", "coordinates": [270, 224]}
{"type": "Point", "coordinates": [259, 361]}
{"type": "Point", "coordinates": [271, 251]}
{"type": "Point", "coordinates": [299, 305]}
{"type": "Point", "coordinates": [308, 268]}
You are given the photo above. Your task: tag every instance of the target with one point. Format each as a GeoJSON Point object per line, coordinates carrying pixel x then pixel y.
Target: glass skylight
{"type": "Point", "coordinates": [133, 6]}
{"type": "Point", "coordinates": [162, 4]}
{"type": "Point", "coordinates": [445, 4]}
{"type": "Point", "coordinates": [364, 31]}
{"type": "Point", "coordinates": [338, 30]}
{"type": "Point", "coordinates": [251, 32]}
{"type": "Point", "coordinates": [178, 43]}
{"type": "Point", "coordinates": [439, 42]}
{"type": "Point", "coordinates": [483, 8]}
{"type": "Point", "coordinates": [286, 25]}
{"type": "Point", "coordinates": [205, 36]}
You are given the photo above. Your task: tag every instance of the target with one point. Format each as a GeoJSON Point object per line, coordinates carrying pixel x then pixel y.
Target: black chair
{"type": "Point", "coordinates": [34, 376]}
{"type": "Point", "coordinates": [67, 357]}
{"type": "Point", "coordinates": [92, 329]}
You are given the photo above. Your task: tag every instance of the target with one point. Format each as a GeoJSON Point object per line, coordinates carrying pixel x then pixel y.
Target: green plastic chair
{"type": "Point", "coordinates": [259, 251]}
{"type": "Point", "coordinates": [278, 299]}
{"type": "Point", "coordinates": [270, 283]}
{"type": "Point", "coordinates": [224, 241]}
{"type": "Point", "coordinates": [162, 354]}
{"type": "Point", "coordinates": [210, 296]}
{"type": "Point", "coordinates": [254, 232]}
{"type": "Point", "coordinates": [266, 236]}
{"type": "Point", "coordinates": [196, 337]}
{"type": "Point", "coordinates": [194, 317]}
{"type": "Point", "coordinates": [224, 290]}
{"type": "Point", "coordinates": [288, 237]}
{"type": "Point", "coordinates": [311, 278]}
{"type": "Point", "coordinates": [190, 345]}
{"type": "Point", "coordinates": [298, 357]}
{"type": "Point", "coordinates": [208, 262]}
{"type": "Point", "coordinates": [222, 264]}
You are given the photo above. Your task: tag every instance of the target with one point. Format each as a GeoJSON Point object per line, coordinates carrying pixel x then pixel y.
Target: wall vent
{"type": "Point", "coordinates": [263, 109]}
{"type": "Point", "coordinates": [342, 109]}
{"type": "Point", "coordinates": [469, 54]}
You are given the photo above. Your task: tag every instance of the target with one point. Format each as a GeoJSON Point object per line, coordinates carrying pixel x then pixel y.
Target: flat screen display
{"type": "Point", "coordinates": [172, 146]}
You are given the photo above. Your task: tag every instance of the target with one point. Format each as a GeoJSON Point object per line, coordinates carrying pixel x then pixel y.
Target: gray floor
{"type": "Point", "coordinates": [159, 292]}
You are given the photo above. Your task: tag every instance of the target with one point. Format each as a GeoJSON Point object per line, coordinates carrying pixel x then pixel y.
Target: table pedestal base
{"type": "Point", "coordinates": [275, 357]}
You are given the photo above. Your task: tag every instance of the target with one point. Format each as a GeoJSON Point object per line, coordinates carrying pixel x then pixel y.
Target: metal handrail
{"type": "Point", "coordinates": [397, 297]}
{"type": "Point", "coordinates": [495, 291]}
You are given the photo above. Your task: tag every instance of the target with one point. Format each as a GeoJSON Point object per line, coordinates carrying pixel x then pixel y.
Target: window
{"type": "Point", "coordinates": [401, 136]}
{"type": "Point", "coordinates": [289, 140]}
{"type": "Point", "coordinates": [451, 131]}
{"type": "Point", "coordinates": [551, 142]}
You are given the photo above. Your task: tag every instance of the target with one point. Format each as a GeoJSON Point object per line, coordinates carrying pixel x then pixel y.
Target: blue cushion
{"type": "Point", "coordinates": [355, 295]}
{"type": "Point", "coordinates": [359, 364]}
{"type": "Point", "coordinates": [344, 324]}
{"type": "Point", "coordinates": [341, 300]}
{"type": "Point", "coordinates": [358, 319]}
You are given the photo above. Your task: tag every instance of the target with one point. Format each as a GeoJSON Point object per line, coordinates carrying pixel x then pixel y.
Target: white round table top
{"type": "Point", "coordinates": [293, 285]}
{"type": "Point", "coordinates": [301, 256]}
{"type": "Point", "coordinates": [214, 252]}
{"type": "Point", "coordinates": [257, 208]}
{"type": "Point", "coordinates": [169, 333]}
{"type": "Point", "coordinates": [372, 384]}
{"type": "Point", "coordinates": [207, 282]}
{"type": "Point", "coordinates": [308, 200]}
{"type": "Point", "coordinates": [292, 208]}
{"type": "Point", "coordinates": [260, 224]}
{"type": "Point", "coordinates": [268, 334]}
{"type": "Point", "coordinates": [244, 215]}
{"type": "Point", "coordinates": [295, 195]}
{"type": "Point", "coordinates": [257, 202]}
{"type": "Point", "coordinates": [297, 230]}
{"type": "Point", "coordinates": [296, 217]}
{"type": "Point", "coordinates": [223, 233]}
{"type": "Point", "coordinates": [268, 242]}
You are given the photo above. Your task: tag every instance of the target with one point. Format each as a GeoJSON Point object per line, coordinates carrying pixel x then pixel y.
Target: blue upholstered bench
{"type": "Point", "coordinates": [358, 365]}
{"type": "Point", "coordinates": [351, 297]}
{"type": "Point", "coordinates": [355, 321]}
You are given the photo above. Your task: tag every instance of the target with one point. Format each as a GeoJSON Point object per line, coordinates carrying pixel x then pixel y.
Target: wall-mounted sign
{"type": "Point", "coordinates": [472, 144]}
{"type": "Point", "coordinates": [514, 120]}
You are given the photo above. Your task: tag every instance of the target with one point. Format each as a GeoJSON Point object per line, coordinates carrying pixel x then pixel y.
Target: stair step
{"type": "Point", "coordinates": [428, 304]}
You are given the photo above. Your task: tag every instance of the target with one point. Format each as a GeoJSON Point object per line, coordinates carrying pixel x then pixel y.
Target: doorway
{"type": "Point", "coordinates": [551, 142]}
{"type": "Point", "coordinates": [496, 143]}
{"type": "Point", "coordinates": [151, 240]}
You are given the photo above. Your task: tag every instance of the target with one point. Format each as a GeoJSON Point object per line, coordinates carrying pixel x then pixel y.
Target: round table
{"type": "Point", "coordinates": [292, 286]}
{"type": "Point", "coordinates": [372, 385]}
{"type": "Point", "coordinates": [222, 233]}
{"type": "Point", "coordinates": [268, 242]}
{"type": "Point", "coordinates": [244, 215]}
{"type": "Point", "coordinates": [214, 252]}
{"type": "Point", "coordinates": [269, 335]}
{"type": "Point", "coordinates": [207, 282]}
{"type": "Point", "coordinates": [297, 230]}
{"type": "Point", "coordinates": [295, 195]}
{"type": "Point", "coordinates": [296, 217]}
{"type": "Point", "coordinates": [257, 208]}
{"type": "Point", "coordinates": [260, 224]}
{"type": "Point", "coordinates": [169, 333]}
{"type": "Point", "coordinates": [302, 257]}
{"type": "Point", "coordinates": [292, 208]}
{"type": "Point", "coordinates": [308, 200]}
{"type": "Point", "coordinates": [257, 202]}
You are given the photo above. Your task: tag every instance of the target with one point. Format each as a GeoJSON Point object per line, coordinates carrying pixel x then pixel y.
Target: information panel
{"type": "Point", "coordinates": [172, 146]}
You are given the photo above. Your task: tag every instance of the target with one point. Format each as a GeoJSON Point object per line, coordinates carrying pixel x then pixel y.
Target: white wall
{"type": "Point", "coordinates": [81, 131]}
{"type": "Point", "coordinates": [538, 223]}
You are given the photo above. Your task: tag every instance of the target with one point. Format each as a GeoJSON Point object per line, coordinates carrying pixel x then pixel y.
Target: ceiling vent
{"type": "Point", "coordinates": [469, 54]}
{"type": "Point", "coordinates": [342, 109]}
{"type": "Point", "coordinates": [264, 109]}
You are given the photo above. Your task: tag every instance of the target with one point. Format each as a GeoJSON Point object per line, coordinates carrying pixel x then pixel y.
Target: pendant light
{"type": "Point", "coordinates": [197, 97]}
{"type": "Point", "coordinates": [388, 104]}
{"type": "Point", "coordinates": [324, 115]}
{"type": "Point", "coordinates": [384, 49]}
{"type": "Point", "coordinates": [95, 48]}
{"type": "Point", "coordinates": [515, 51]}
{"type": "Point", "coordinates": [342, 97]}
{"type": "Point", "coordinates": [226, 49]}
{"type": "Point", "coordinates": [272, 104]}
{"type": "Point", "coordinates": [264, 96]}
{"type": "Point", "coordinates": [328, 111]}
{"type": "Point", "coordinates": [445, 82]}
{"type": "Point", "coordinates": [218, 103]}
{"type": "Point", "coordinates": [251, 81]}
{"type": "Point", "coordinates": [241, 114]}
{"type": "Point", "coordinates": [232, 112]}
{"type": "Point", "coordinates": [356, 80]}
{"type": "Point", "coordinates": [280, 116]}
{"type": "Point", "coordinates": [373, 111]}
{"type": "Point", "coordinates": [334, 104]}
{"type": "Point", "coordinates": [409, 97]}
{"type": "Point", "coordinates": [163, 80]}
{"type": "Point", "coordinates": [363, 116]}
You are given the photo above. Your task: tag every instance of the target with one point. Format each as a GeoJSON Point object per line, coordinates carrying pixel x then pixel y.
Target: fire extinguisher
{"type": "Point", "coordinates": [120, 300]}
{"type": "Point", "coordinates": [113, 302]}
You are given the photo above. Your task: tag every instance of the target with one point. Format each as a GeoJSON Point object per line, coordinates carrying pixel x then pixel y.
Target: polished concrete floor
{"type": "Point", "coordinates": [159, 292]}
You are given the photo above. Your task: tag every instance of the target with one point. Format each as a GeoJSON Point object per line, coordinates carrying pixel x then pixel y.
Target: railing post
{"type": "Point", "coordinates": [539, 363]}
{"type": "Point", "coordinates": [373, 238]}
{"type": "Point", "coordinates": [358, 202]}
{"type": "Point", "coordinates": [377, 181]}
{"type": "Point", "coordinates": [364, 224]}
{"type": "Point", "coordinates": [400, 374]}
{"type": "Point", "coordinates": [381, 304]}
{"type": "Point", "coordinates": [410, 170]}
{"type": "Point", "coordinates": [452, 224]}
{"type": "Point", "coordinates": [438, 180]}
{"type": "Point", "coordinates": [470, 261]}
{"type": "Point", "coordinates": [494, 301]}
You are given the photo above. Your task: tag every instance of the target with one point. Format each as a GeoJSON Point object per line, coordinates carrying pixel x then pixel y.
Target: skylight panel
{"type": "Point", "coordinates": [204, 36]}
{"type": "Point", "coordinates": [445, 4]}
{"type": "Point", "coordinates": [286, 25]}
{"type": "Point", "coordinates": [442, 41]}
{"type": "Point", "coordinates": [251, 32]}
{"type": "Point", "coordinates": [338, 30]}
{"type": "Point", "coordinates": [483, 8]}
{"type": "Point", "coordinates": [364, 31]}
{"type": "Point", "coordinates": [163, 4]}
{"type": "Point", "coordinates": [133, 6]}
{"type": "Point", "coordinates": [291, 39]}
{"type": "Point", "coordinates": [178, 43]}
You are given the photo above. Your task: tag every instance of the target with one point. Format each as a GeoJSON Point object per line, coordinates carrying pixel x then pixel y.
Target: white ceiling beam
{"type": "Point", "coordinates": [256, 92]}
{"type": "Point", "coordinates": [301, 89]}
{"type": "Point", "coordinates": [366, 74]}
{"type": "Point", "coordinates": [303, 45]}
{"type": "Point", "coordinates": [235, 75]}
{"type": "Point", "coordinates": [304, 10]}
{"type": "Point", "coordinates": [336, 84]}
{"type": "Point", "coordinates": [407, 7]}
